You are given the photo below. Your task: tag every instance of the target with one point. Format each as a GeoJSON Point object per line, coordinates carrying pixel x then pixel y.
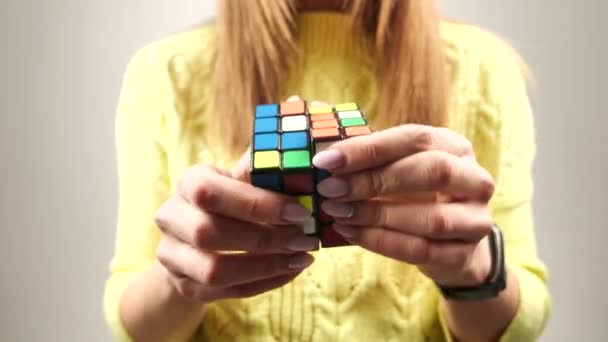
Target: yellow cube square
{"type": "Point", "coordinates": [306, 202]}
{"type": "Point", "coordinates": [320, 109]}
{"type": "Point", "coordinates": [344, 107]}
{"type": "Point", "coordinates": [266, 160]}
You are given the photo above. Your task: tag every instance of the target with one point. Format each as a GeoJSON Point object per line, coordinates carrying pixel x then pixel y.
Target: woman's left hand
{"type": "Point", "coordinates": [416, 194]}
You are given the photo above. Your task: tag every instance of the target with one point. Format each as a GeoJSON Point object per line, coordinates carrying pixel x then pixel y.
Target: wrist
{"type": "Point", "coordinates": [170, 292]}
{"type": "Point", "coordinates": [475, 273]}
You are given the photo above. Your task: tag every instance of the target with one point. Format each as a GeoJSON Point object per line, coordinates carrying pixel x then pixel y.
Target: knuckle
{"type": "Point", "coordinates": [379, 215]}
{"type": "Point", "coordinates": [263, 242]}
{"type": "Point", "coordinates": [441, 170]}
{"type": "Point", "coordinates": [161, 218]}
{"type": "Point", "coordinates": [205, 193]}
{"type": "Point", "coordinates": [487, 188]}
{"type": "Point", "coordinates": [485, 226]}
{"type": "Point", "coordinates": [161, 251]}
{"type": "Point", "coordinates": [204, 231]}
{"type": "Point", "coordinates": [467, 146]}
{"type": "Point", "coordinates": [210, 273]}
{"type": "Point", "coordinates": [379, 241]}
{"type": "Point", "coordinates": [186, 288]}
{"type": "Point", "coordinates": [369, 151]}
{"type": "Point", "coordinates": [439, 224]}
{"type": "Point", "coordinates": [419, 250]}
{"type": "Point", "coordinates": [376, 183]}
{"type": "Point", "coordinates": [423, 139]}
{"type": "Point", "coordinates": [461, 257]}
{"type": "Point", "coordinates": [253, 206]}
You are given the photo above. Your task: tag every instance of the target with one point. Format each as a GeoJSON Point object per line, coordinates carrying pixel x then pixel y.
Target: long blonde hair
{"type": "Point", "coordinates": [257, 43]}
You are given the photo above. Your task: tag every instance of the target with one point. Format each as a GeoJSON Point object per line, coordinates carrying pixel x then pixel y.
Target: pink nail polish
{"type": "Point", "coordinates": [333, 187]}
{"type": "Point", "coordinates": [347, 232]}
{"type": "Point", "coordinates": [329, 160]}
{"type": "Point", "coordinates": [338, 210]}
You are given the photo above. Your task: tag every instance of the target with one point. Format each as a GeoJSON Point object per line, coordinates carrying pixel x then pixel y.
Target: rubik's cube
{"type": "Point", "coordinates": [285, 139]}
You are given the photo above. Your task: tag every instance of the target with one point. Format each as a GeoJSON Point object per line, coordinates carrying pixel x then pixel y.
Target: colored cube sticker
{"type": "Point", "coordinates": [294, 123]}
{"type": "Point", "coordinates": [266, 141]}
{"type": "Point", "coordinates": [266, 125]}
{"type": "Point", "coordinates": [343, 107]}
{"type": "Point", "coordinates": [266, 160]}
{"type": "Point", "coordinates": [266, 110]}
{"type": "Point", "coordinates": [285, 138]}
{"type": "Point", "coordinates": [295, 140]}
{"type": "Point", "coordinates": [296, 159]}
{"type": "Point", "coordinates": [293, 107]}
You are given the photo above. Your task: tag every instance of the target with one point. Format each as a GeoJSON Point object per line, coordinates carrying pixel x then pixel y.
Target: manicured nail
{"type": "Point", "coordinates": [302, 243]}
{"type": "Point", "coordinates": [295, 213]}
{"type": "Point", "coordinates": [347, 232]}
{"type": "Point", "coordinates": [329, 160]}
{"type": "Point", "coordinates": [333, 187]}
{"type": "Point", "coordinates": [300, 261]}
{"type": "Point", "coordinates": [339, 210]}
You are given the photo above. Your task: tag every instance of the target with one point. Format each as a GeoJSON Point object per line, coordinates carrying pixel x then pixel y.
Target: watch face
{"type": "Point", "coordinates": [496, 281]}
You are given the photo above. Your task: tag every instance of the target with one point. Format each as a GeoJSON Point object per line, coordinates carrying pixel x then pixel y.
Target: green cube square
{"type": "Point", "coordinates": [296, 159]}
{"type": "Point", "coordinates": [353, 122]}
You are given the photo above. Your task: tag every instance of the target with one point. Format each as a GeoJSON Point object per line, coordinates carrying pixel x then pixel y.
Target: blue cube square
{"type": "Point", "coordinates": [266, 110]}
{"type": "Point", "coordinates": [266, 141]}
{"type": "Point", "coordinates": [269, 181]}
{"type": "Point", "coordinates": [294, 140]}
{"type": "Point", "coordinates": [266, 125]}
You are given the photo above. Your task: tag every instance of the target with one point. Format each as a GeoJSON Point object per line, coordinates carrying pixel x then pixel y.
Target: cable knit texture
{"type": "Point", "coordinates": [349, 293]}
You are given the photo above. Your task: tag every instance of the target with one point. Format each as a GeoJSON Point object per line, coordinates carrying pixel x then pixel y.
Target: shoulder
{"type": "Point", "coordinates": [481, 58]}
{"type": "Point", "coordinates": [471, 44]}
{"type": "Point", "coordinates": [187, 52]}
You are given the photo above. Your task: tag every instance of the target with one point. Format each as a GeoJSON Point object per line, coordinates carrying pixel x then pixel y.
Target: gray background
{"type": "Point", "coordinates": [60, 68]}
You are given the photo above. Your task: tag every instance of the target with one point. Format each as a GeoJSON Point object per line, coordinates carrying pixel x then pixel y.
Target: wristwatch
{"type": "Point", "coordinates": [496, 281]}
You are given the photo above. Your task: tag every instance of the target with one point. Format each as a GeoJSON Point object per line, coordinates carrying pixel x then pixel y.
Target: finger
{"type": "Point", "coordinates": [241, 169]}
{"type": "Point", "coordinates": [223, 270]}
{"type": "Point", "coordinates": [212, 232]}
{"type": "Point", "coordinates": [442, 221]}
{"type": "Point", "coordinates": [194, 290]}
{"type": "Point", "coordinates": [387, 146]}
{"type": "Point", "coordinates": [293, 98]}
{"type": "Point", "coordinates": [316, 103]}
{"type": "Point", "coordinates": [446, 255]}
{"type": "Point", "coordinates": [203, 187]}
{"type": "Point", "coordinates": [258, 287]}
{"type": "Point", "coordinates": [428, 171]}
{"type": "Point", "coordinates": [448, 260]}
{"type": "Point", "coordinates": [397, 245]}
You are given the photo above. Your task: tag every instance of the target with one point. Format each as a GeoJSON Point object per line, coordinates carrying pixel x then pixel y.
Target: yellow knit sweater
{"type": "Point", "coordinates": [348, 293]}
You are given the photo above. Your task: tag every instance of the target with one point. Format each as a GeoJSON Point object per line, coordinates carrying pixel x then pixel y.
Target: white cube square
{"type": "Point", "coordinates": [350, 114]}
{"type": "Point", "coordinates": [294, 123]}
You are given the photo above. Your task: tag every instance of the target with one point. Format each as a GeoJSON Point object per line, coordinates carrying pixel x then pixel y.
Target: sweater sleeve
{"type": "Point", "coordinates": [505, 135]}
{"type": "Point", "coordinates": [143, 181]}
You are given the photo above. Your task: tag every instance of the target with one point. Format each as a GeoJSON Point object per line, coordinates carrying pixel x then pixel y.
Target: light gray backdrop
{"type": "Point", "coordinates": [60, 68]}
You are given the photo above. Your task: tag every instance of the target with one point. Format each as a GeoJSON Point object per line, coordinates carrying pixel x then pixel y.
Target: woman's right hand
{"type": "Point", "coordinates": [211, 216]}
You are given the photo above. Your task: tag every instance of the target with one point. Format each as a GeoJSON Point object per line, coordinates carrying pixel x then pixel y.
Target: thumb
{"type": "Point", "coordinates": [293, 98]}
{"type": "Point", "coordinates": [241, 169]}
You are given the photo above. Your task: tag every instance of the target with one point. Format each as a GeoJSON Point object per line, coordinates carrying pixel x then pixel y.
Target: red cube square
{"type": "Point", "coordinates": [298, 183]}
{"type": "Point", "coordinates": [331, 238]}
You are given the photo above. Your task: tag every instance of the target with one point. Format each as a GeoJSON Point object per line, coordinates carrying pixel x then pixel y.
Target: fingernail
{"type": "Point", "coordinates": [333, 187]}
{"type": "Point", "coordinates": [302, 243]}
{"type": "Point", "coordinates": [295, 213]}
{"type": "Point", "coordinates": [316, 103]}
{"type": "Point", "coordinates": [347, 232]}
{"type": "Point", "coordinates": [329, 160]}
{"type": "Point", "coordinates": [299, 261]}
{"type": "Point", "coordinates": [339, 210]}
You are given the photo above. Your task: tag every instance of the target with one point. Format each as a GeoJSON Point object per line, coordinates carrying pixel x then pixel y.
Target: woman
{"type": "Point", "coordinates": [417, 201]}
